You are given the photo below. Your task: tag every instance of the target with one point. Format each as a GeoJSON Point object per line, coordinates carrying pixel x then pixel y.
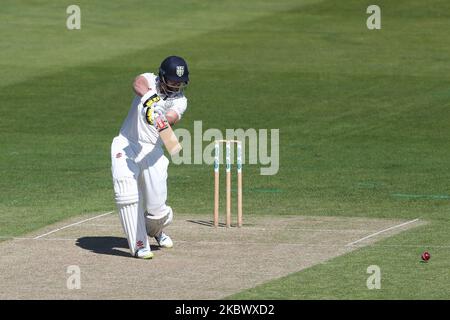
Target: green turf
{"type": "Point", "coordinates": [363, 118]}
{"type": "Point", "coordinates": [403, 273]}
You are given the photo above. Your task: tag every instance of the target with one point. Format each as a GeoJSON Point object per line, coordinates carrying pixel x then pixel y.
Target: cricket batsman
{"type": "Point", "coordinates": [139, 166]}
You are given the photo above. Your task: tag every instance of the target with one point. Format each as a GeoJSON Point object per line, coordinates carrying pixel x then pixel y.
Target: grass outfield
{"type": "Point", "coordinates": [363, 118]}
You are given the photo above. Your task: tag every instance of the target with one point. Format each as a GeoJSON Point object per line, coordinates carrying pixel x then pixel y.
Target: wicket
{"type": "Point", "coordinates": [228, 181]}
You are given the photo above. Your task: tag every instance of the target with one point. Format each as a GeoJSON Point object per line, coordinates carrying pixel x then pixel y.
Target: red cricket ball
{"type": "Point", "coordinates": [426, 256]}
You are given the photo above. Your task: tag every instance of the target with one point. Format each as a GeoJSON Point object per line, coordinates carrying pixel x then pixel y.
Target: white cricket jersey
{"type": "Point", "coordinates": [136, 128]}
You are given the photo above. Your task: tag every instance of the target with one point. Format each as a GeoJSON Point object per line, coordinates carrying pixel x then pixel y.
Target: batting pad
{"type": "Point", "coordinates": [131, 213]}
{"type": "Point", "coordinates": [155, 225]}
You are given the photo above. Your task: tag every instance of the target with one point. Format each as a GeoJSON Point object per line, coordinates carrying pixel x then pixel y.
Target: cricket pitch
{"type": "Point", "coordinates": [205, 263]}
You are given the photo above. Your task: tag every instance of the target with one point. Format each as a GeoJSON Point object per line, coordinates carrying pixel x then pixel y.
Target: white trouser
{"type": "Point", "coordinates": [139, 174]}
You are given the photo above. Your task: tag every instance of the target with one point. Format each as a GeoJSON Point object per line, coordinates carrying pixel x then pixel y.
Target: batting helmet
{"type": "Point", "coordinates": [175, 69]}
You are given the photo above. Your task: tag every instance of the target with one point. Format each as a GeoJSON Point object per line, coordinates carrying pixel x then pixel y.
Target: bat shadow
{"type": "Point", "coordinates": [113, 246]}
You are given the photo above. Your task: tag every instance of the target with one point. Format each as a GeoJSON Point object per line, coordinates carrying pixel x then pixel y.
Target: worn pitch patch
{"type": "Point", "coordinates": [205, 263]}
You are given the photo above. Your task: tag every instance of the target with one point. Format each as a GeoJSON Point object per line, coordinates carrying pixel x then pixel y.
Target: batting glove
{"type": "Point", "coordinates": [149, 102]}
{"type": "Point", "coordinates": [161, 122]}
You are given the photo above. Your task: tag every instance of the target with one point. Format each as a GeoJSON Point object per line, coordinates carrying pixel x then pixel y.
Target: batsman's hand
{"type": "Point", "coordinates": [156, 118]}
{"type": "Point", "coordinates": [150, 103]}
{"type": "Point", "coordinates": [150, 115]}
{"type": "Point", "coordinates": [161, 122]}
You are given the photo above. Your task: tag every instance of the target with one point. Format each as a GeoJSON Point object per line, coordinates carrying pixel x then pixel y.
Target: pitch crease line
{"type": "Point", "coordinates": [379, 232]}
{"type": "Point", "coordinates": [73, 224]}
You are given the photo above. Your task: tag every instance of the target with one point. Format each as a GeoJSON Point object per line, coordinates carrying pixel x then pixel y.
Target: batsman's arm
{"type": "Point", "coordinates": [140, 86]}
{"type": "Point", "coordinates": [172, 117]}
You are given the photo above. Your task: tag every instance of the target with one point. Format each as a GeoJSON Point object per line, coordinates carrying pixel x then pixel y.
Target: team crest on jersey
{"type": "Point", "coordinates": [180, 71]}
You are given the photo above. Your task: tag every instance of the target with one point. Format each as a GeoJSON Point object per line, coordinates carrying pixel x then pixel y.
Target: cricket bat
{"type": "Point", "coordinates": [167, 135]}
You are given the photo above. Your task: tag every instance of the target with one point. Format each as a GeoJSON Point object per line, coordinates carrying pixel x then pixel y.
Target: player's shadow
{"type": "Point", "coordinates": [113, 246]}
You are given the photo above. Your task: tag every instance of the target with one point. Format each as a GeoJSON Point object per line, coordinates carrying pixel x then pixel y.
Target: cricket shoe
{"type": "Point", "coordinates": [144, 253]}
{"type": "Point", "coordinates": [164, 240]}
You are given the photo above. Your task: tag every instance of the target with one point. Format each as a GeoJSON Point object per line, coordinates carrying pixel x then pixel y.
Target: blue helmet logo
{"type": "Point", "coordinates": [180, 71]}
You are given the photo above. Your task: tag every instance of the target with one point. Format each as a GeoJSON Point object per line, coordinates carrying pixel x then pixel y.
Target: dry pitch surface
{"type": "Point", "coordinates": [205, 263]}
